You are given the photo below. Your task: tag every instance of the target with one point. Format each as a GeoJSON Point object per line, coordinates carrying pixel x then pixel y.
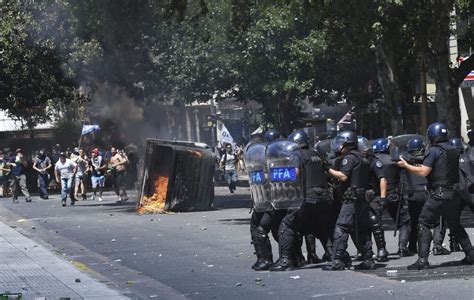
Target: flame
{"type": "Point", "coordinates": [195, 153]}
{"type": "Point", "coordinates": [156, 202]}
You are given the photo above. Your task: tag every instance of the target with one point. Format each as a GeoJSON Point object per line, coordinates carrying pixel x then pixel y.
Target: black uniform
{"type": "Point", "coordinates": [375, 210]}
{"type": "Point", "coordinates": [391, 172]}
{"type": "Point", "coordinates": [261, 223]}
{"type": "Point", "coordinates": [314, 216]}
{"type": "Point", "coordinates": [417, 194]}
{"type": "Point", "coordinates": [354, 214]}
{"type": "Point", "coordinates": [443, 181]}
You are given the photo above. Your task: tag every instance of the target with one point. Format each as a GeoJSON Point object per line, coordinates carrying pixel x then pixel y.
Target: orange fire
{"type": "Point", "coordinates": [195, 153]}
{"type": "Point", "coordinates": [156, 202]}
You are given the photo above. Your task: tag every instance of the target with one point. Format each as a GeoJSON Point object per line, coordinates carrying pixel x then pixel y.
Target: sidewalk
{"type": "Point", "coordinates": [32, 270]}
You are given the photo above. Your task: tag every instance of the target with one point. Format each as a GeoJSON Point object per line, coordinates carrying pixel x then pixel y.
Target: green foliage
{"type": "Point", "coordinates": [30, 75]}
{"type": "Point", "coordinates": [275, 52]}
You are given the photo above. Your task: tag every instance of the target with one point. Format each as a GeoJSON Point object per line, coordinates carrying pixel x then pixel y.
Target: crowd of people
{"type": "Point", "coordinates": [74, 171]}
{"type": "Point", "coordinates": [301, 191]}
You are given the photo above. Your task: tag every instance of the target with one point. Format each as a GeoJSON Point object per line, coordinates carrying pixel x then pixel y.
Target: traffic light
{"type": "Point", "coordinates": [211, 121]}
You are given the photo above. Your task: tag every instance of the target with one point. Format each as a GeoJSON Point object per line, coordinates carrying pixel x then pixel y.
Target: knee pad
{"type": "Point", "coordinates": [424, 232]}
{"type": "Point", "coordinates": [374, 219]}
{"type": "Point", "coordinates": [261, 231]}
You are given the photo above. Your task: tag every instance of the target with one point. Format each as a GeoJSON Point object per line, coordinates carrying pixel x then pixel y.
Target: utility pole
{"type": "Point", "coordinates": [214, 125]}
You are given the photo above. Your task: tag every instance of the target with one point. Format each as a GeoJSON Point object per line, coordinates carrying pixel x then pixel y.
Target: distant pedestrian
{"type": "Point", "coordinates": [42, 165]}
{"type": "Point", "coordinates": [97, 167]}
{"type": "Point", "coordinates": [4, 175]}
{"type": "Point", "coordinates": [118, 163]}
{"type": "Point", "coordinates": [18, 165]}
{"type": "Point", "coordinates": [80, 158]}
{"type": "Point", "coordinates": [64, 171]}
{"type": "Point", "coordinates": [229, 164]}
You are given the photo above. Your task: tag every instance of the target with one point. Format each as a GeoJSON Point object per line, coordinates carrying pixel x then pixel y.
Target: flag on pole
{"type": "Point", "coordinates": [89, 128]}
{"type": "Point", "coordinates": [223, 135]}
{"type": "Point", "coordinates": [469, 76]}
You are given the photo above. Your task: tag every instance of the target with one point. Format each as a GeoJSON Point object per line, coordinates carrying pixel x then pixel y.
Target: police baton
{"type": "Point", "coordinates": [397, 219]}
{"type": "Point", "coordinates": [356, 221]}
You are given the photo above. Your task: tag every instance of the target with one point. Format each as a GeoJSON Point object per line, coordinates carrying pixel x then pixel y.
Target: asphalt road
{"type": "Point", "coordinates": [207, 255]}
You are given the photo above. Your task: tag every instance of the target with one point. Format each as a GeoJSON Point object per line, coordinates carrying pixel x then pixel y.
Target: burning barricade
{"type": "Point", "coordinates": [177, 176]}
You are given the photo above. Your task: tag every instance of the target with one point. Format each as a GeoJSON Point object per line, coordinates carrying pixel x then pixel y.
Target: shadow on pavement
{"type": "Point", "coordinates": [242, 221]}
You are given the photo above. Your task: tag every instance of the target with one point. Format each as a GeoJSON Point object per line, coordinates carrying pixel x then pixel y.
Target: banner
{"type": "Point", "coordinates": [223, 135]}
{"type": "Point", "coordinates": [89, 128]}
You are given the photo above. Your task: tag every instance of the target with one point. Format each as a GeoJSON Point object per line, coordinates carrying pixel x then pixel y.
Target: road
{"type": "Point", "coordinates": [207, 255]}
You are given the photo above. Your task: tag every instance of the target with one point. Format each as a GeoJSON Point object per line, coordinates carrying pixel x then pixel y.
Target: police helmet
{"type": "Point", "coordinates": [437, 132]}
{"type": "Point", "coordinates": [336, 145]}
{"type": "Point", "coordinates": [381, 145]}
{"type": "Point", "coordinates": [299, 137]}
{"type": "Point", "coordinates": [363, 144]}
{"type": "Point", "coordinates": [456, 142]}
{"type": "Point", "coordinates": [272, 135]}
{"type": "Point", "coordinates": [349, 136]}
{"type": "Point", "coordinates": [415, 145]}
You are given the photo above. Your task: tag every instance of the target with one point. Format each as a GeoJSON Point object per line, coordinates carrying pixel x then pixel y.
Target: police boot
{"type": "Point", "coordinates": [263, 249]}
{"type": "Point", "coordinates": [440, 250]}
{"type": "Point", "coordinates": [327, 251]}
{"type": "Point", "coordinates": [283, 264]}
{"type": "Point", "coordinates": [467, 248]}
{"type": "Point", "coordinates": [367, 264]}
{"type": "Point", "coordinates": [379, 237]}
{"type": "Point", "coordinates": [469, 259]}
{"type": "Point", "coordinates": [312, 257]}
{"type": "Point", "coordinates": [297, 255]}
{"type": "Point", "coordinates": [257, 253]}
{"type": "Point", "coordinates": [420, 264]}
{"type": "Point", "coordinates": [424, 241]}
{"type": "Point", "coordinates": [453, 244]}
{"type": "Point", "coordinates": [339, 263]}
{"type": "Point", "coordinates": [403, 238]}
{"type": "Point", "coordinates": [298, 258]}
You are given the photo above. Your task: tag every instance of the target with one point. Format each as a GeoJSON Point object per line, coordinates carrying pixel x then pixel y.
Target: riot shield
{"type": "Point", "coordinates": [285, 176]}
{"type": "Point", "coordinates": [324, 147]}
{"type": "Point", "coordinates": [398, 146]}
{"type": "Point", "coordinates": [466, 177]}
{"type": "Point", "coordinates": [256, 165]}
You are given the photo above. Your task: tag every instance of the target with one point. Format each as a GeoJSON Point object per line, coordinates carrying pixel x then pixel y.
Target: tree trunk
{"type": "Point", "coordinates": [446, 98]}
{"type": "Point", "coordinates": [392, 91]}
{"type": "Point", "coordinates": [284, 109]}
{"type": "Point", "coordinates": [447, 102]}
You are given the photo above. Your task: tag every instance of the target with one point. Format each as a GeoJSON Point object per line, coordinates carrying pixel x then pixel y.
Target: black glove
{"type": "Point", "coordinates": [326, 166]}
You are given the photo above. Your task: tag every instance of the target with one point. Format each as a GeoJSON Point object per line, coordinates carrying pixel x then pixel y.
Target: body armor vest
{"type": "Point", "coordinates": [445, 172]}
{"type": "Point", "coordinates": [391, 171]}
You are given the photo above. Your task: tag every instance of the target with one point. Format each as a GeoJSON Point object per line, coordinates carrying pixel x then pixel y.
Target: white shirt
{"type": "Point", "coordinates": [230, 161]}
{"type": "Point", "coordinates": [66, 169]}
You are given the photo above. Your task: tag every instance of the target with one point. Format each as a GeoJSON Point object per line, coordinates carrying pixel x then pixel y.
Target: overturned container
{"type": "Point", "coordinates": [177, 176]}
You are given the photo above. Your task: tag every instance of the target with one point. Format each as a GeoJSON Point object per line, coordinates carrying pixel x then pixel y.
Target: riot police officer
{"type": "Point", "coordinates": [459, 145]}
{"type": "Point", "coordinates": [263, 219]}
{"type": "Point", "coordinates": [417, 194]}
{"type": "Point", "coordinates": [375, 213]}
{"type": "Point", "coordinates": [354, 214]}
{"type": "Point", "coordinates": [314, 216]}
{"type": "Point", "coordinates": [390, 194]}
{"type": "Point", "coordinates": [441, 167]}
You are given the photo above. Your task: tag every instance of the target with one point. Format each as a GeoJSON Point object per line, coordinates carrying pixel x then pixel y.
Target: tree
{"type": "Point", "coordinates": [31, 75]}
{"type": "Point", "coordinates": [432, 25]}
